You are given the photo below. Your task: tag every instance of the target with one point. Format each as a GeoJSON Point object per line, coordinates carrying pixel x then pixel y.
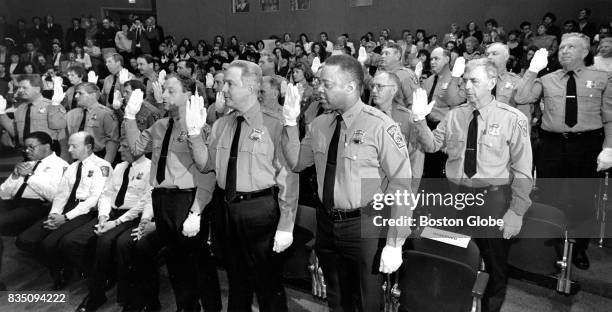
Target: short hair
{"type": "Point", "coordinates": [525, 23]}
{"type": "Point", "coordinates": [393, 77]}
{"type": "Point", "coordinates": [190, 65]}
{"type": "Point", "coordinates": [135, 84]}
{"type": "Point", "coordinates": [77, 70]}
{"type": "Point", "coordinates": [503, 45]}
{"type": "Point", "coordinates": [394, 46]}
{"type": "Point", "coordinates": [492, 21]}
{"type": "Point", "coordinates": [147, 57]}
{"type": "Point", "coordinates": [116, 57]}
{"type": "Point", "coordinates": [89, 140]}
{"type": "Point", "coordinates": [605, 39]}
{"type": "Point", "coordinates": [187, 83]}
{"type": "Point", "coordinates": [586, 41]}
{"type": "Point", "coordinates": [308, 74]}
{"type": "Point", "coordinates": [40, 136]}
{"type": "Point", "coordinates": [586, 10]}
{"type": "Point", "coordinates": [488, 65]}
{"type": "Point", "coordinates": [88, 87]}
{"type": "Point", "coordinates": [34, 79]}
{"type": "Point", "coordinates": [445, 52]}
{"type": "Point", "coordinates": [251, 73]}
{"type": "Point", "coordinates": [471, 39]}
{"type": "Point", "coordinates": [550, 15]}
{"type": "Point", "coordinates": [348, 65]}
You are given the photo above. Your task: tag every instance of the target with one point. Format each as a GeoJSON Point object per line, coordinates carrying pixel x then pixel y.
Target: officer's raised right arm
{"type": "Point", "coordinates": [530, 88]}
{"type": "Point", "coordinates": [431, 142]}
{"type": "Point", "coordinates": [298, 156]}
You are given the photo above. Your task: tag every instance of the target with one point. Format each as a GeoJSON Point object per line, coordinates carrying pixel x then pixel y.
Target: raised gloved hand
{"type": "Point", "coordinates": [418, 69]}
{"type": "Point", "coordinates": [124, 76]}
{"type": "Point", "coordinates": [604, 159]}
{"type": "Point", "coordinates": [458, 67]}
{"type": "Point", "coordinates": [58, 92]}
{"type": "Point", "coordinates": [195, 114]}
{"type": "Point", "coordinates": [117, 99]}
{"type": "Point", "coordinates": [316, 63]}
{"type": "Point", "coordinates": [420, 107]}
{"type": "Point", "coordinates": [210, 80]}
{"type": "Point", "coordinates": [2, 105]}
{"type": "Point", "coordinates": [282, 241]}
{"type": "Point", "coordinates": [220, 102]}
{"type": "Point", "coordinates": [363, 55]}
{"type": "Point", "coordinates": [390, 259]}
{"type": "Point", "coordinates": [134, 103]}
{"type": "Point", "coordinates": [161, 77]}
{"type": "Point", "coordinates": [191, 226]}
{"type": "Point", "coordinates": [157, 91]}
{"type": "Point", "coordinates": [539, 61]}
{"type": "Point", "coordinates": [92, 77]}
{"type": "Point", "coordinates": [291, 107]}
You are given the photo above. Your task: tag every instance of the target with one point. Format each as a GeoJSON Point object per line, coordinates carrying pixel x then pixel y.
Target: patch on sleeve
{"type": "Point", "coordinates": [105, 171]}
{"type": "Point", "coordinates": [396, 134]}
{"type": "Point", "coordinates": [523, 125]}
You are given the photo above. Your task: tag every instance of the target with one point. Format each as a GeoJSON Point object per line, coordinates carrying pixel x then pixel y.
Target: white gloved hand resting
{"type": "Point", "coordinates": [390, 259]}
{"type": "Point", "coordinates": [282, 241]}
{"type": "Point", "coordinates": [117, 99]}
{"type": "Point", "coordinates": [604, 159]}
{"type": "Point", "coordinates": [191, 226]}
{"type": "Point", "coordinates": [2, 105]}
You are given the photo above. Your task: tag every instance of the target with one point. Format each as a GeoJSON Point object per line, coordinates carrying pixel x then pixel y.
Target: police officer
{"type": "Point", "coordinates": [576, 127]}
{"type": "Point", "coordinates": [27, 193]}
{"type": "Point", "coordinates": [489, 153]}
{"type": "Point", "coordinates": [355, 141]}
{"type": "Point", "coordinates": [113, 82]}
{"type": "Point", "coordinates": [180, 194]}
{"type": "Point", "coordinates": [391, 61]}
{"type": "Point", "coordinates": [98, 120]}
{"type": "Point", "coordinates": [243, 150]}
{"type": "Point", "coordinates": [148, 113]}
{"type": "Point", "coordinates": [126, 194]}
{"type": "Point", "coordinates": [78, 192]}
{"type": "Point", "coordinates": [150, 79]}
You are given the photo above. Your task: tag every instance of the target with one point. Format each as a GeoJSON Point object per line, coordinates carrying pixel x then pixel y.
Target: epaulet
{"type": "Point", "coordinates": [375, 112]}
{"type": "Point", "coordinates": [513, 75]}
{"type": "Point", "coordinates": [509, 108]}
{"type": "Point", "coordinates": [269, 112]}
{"type": "Point", "coordinates": [45, 101]}
{"type": "Point", "coordinates": [403, 109]}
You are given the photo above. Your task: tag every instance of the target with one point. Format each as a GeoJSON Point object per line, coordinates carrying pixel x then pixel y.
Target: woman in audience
{"type": "Point", "coordinates": [472, 31]}
{"type": "Point", "coordinates": [123, 44]}
{"type": "Point", "coordinates": [603, 60]}
{"type": "Point", "coordinates": [316, 50]}
{"type": "Point", "coordinates": [82, 57]}
{"type": "Point", "coordinates": [303, 40]}
{"type": "Point", "coordinates": [282, 65]}
{"type": "Point", "coordinates": [95, 54]}
{"type": "Point", "coordinates": [471, 49]}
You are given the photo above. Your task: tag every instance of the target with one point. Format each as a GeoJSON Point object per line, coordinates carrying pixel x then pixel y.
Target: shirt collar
{"type": "Point", "coordinates": [351, 114]}
{"type": "Point", "coordinates": [250, 116]}
{"type": "Point", "coordinates": [48, 158]}
{"type": "Point", "coordinates": [89, 159]}
{"type": "Point", "coordinates": [484, 110]}
{"type": "Point", "coordinates": [577, 72]}
{"type": "Point", "coordinates": [138, 161]}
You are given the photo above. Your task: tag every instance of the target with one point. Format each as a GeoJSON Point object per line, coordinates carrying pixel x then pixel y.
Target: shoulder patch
{"type": "Point", "coordinates": [374, 111]}
{"type": "Point", "coordinates": [105, 170]}
{"type": "Point", "coordinates": [396, 135]}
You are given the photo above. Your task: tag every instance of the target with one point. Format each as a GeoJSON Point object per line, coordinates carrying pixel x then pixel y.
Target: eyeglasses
{"type": "Point", "coordinates": [31, 147]}
{"type": "Point", "coordinates": [375, 86]}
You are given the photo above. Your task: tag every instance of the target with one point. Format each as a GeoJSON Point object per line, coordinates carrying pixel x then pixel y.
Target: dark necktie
{"type": "Point", "coordinates": [26, 124]}
{"type": "Point", "coordinates": [74, 101]}
{"type": "Point", "coordinates": [320, 111]}
{"type": "Point", "coordinates": [433, 89]}
{"type": "Point", "coordinates": [138, 36]}
{"type": "Point", "coordinates": [471, 148]}
{"type": "Point", "coordinates": [111, 94]}
{"type": "Point", "coordinates": [25, 180]}
{"type": "Point", "coordinates": [494, 90]}
{"type": "Point", "coordinates": [161, 163]}
{"type": "Point", "coordinates": [124, 184]}
{"type": "Point", "coordinates": [232, 164]}
{"type": "Point", "coordinates": [571, 102]}
{"type": "Point", "coordinates": [145, 81]}
{"type": "Point", "coordinates": [82, 126]}
{"type": "Point", "coordinates": [77, 181]}
{"type": "Point", "coordinates": [330, 167]}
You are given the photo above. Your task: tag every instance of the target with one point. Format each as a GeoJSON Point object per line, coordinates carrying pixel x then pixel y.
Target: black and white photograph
{"type": "Point", "coordinates": [241, 6]}
{"type": "Point", "coordinates": [270, 5]}
{"type": "Point", "coordinates": [299, 5]}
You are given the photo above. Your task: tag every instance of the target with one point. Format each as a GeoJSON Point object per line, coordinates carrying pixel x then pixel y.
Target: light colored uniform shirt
{"type": "Point", "coordinates": [409, 82]}
{"type": "Point", "coordinates": [108, 83]}
{"type": "Point", "coordinates": [43, 117]}
{"type": "Point", "coordinates": [442, 106]}
{"type": "Point", "coordinates": [503, 149]}
{"type": "Point", "coordinates": [404, 118]}
{"type": "Point", "coordinates": [594, 95]}
{"type": "Point", "coordinates": [101, 123]}
{"type": "Point", "coordinates": [42, 184]}
{"type": "Point", "coordinates": [94, 173]}
{"type": "Point", "coordinates": [138, 192]}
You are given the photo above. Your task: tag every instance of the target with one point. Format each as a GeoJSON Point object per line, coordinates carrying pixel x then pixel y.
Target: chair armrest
{"type": "Point", "coordinates": [480, 285]}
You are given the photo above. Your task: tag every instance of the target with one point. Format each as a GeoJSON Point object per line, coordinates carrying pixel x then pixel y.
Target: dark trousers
{"type": "Point", "coordinates": [350, 263]}
{"type": "Point", "coordinates": [193, 273]}
{"type": "Point", "coordinates": [252, 265]}
{"type": "Point", "coordinates": [435, 163]}
{"type": "Point", "coordinates": [493, 247]}
{"type": "Point", "coordinates": [567, 175]}
{"type": "Point", "coordinates": [137, 269]}
{"type": "Point", "coordinates": [16, 215]}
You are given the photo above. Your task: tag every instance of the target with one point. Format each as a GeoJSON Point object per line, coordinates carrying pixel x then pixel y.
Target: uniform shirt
{"type": "Point", "coordinates": [101, 123]}
{"type": "Point", "coordinates": [43, 117]}
{"type": "Point", "coordinates": [404, 119]}
{"type": "Point", "coordinates": [138, 192]}
{"type": "Point", "coordinates": [42, 184]}
{"type": "Point", "coordinates": [442, 106]}
{"type": "Point", "coordinates": [261, 163]}
{"type": "Point", "coordinates": [106, 87]}
{"type": "Point", "coordinates": [409, 82]}
{"type": "Point", "coordinates": [145, 118]}
{"type": "Point", "coordinates": [94, 173]}
{"type": "Point", "coordinates": [68, 98]}
{"type": "Point", "coordinates": [594, 94]}
{"type": "Point", "coordinates": [372, 158]}
{"type": "Point", "coordinates": [148, 80]}
{"type": "Point", "coordinates": [503, 150]}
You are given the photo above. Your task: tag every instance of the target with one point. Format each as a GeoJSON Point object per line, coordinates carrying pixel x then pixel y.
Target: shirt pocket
{"type": "Point", "coordinates": [491, 150]}
{"type": "Point", "coordinates": [256, 151]}
{"type": "Point", "coordinates": [554, 98]}
{"type": "Point", "coordinates": [591, 93]}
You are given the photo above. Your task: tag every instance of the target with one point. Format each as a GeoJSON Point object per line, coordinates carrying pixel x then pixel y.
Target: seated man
{"type": "Point", "coordinates": [126, 194]}
{"type": "Point", "coordinates": [78, 192]}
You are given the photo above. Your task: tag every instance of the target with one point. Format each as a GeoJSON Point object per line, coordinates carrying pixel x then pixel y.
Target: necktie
{"type": "Point", "coordinates": [25, 180]}
{"type": "Point", "coordinates": [494, 90]}
{"type": "Point", "coordinates": [32, 57]}
{"type": "Point", "coordinates": [82, 126]}
{"type": "Point", "coordinates": [330, 167]}
{"type": "Point", "coordinates": [26, 124]}
{"type": "Point", "coordinates": [471, 148]}
{"type": "Point", "coordinates": [77, 181]}
{"type": "Point", "coordinates": [433, 89]}
{"type": "Point", "coordinates": [138, 36]}
{"type": "Point", "coordinates": [74, 101]}
{"type": "Point", "coordinates": [111, 94]}
{"type": "Point", "coordinates": [145, 81]}
{"type": "Point", "coordinates": [571, 102]}
{"type": "Point", "coordinates": [320, 111]}
{"type": "Point", "coordinates": [161, 163]}
{"type": "Point", "coordinates": [232, 164]}
{"type": "Point", "coordinates": [124, 184]}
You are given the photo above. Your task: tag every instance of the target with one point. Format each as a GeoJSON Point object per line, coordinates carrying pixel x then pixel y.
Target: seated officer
{"type": "Point", "coordinates": [125, 195]}
{"type": "Point", "coordinates": [27, 193]}
{"type": "Point", "coordinates": [78, 192]}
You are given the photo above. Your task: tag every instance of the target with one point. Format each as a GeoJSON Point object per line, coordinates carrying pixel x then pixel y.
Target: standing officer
{"type": "Point", "coordinates": [391, 61]}
{"type": "Point", "coordinates": [576, 127]}
{"type": "Point", "coordinates": [489, 152]}
{"type": "Point", "coordinates": [180, 193]}
{"type": "Point", "coordinates": [78, 192]}
{"type": "Point", "coordinates": [113, 82]}
{"type": "Point", "coordinates": [95, 119]}
{"type": "Point", "coordinates": [353, 142]}
{"type": "Point", "coordinates": [149, 78]}
{"type": "Point", "coordinates": [243, 150]}
{"type": "Point", "coordinates": [126, 194]}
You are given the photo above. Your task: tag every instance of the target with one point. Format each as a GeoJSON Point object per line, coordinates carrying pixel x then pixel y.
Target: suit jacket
{"type": "Point", "coordinates": [145, 46]}
{"type": "Point", "coordinates": [25, 57]}
{"type": "Point", "coordinates": [52, 33]}
{"type": "Point", "coordinates": [77, 36]}
{"type": "Point", "coordinates": [63, 57]}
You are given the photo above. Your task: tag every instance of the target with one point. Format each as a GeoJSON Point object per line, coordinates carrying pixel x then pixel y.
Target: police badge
{"type": "Point", "coordinates": [256, 135]}
{"type": "Point", "coordinates": [590, 84]}
{"type": "Point", "coordinates": [139, 176]}
{"type": "Point", "coordinates": [358, 136]}
{"type": "Point", "coordinates": [42, 110]}
{"type": "Point", "coordinates": [90, 173]}
{"type": "Point", "coordinates": [509, 85]}
{"type": "Point", "coordinates": [494, 129]}
{"type": "Point", "coordinates": [182, 136]}
{"type": "Point", "coordinates": [94, 117]}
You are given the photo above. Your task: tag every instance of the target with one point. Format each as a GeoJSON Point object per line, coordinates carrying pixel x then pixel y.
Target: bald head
{"type": "Point", "coordinates": [439, 59]}
{"type": "Point", "coordinates": [499, 54]}
{"type": "Point", "coordinates": [80, 145]}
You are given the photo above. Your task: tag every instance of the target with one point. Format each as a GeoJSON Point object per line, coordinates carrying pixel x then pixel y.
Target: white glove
{"type": "Point", "coordinates": [191, 226]}
{"type": "Point", "coordinates": [316, 63]}
{"type": "Point", "coordinates": [291, 107]}
{"type": "Point", "coordinates": [604, 160]}
{"type": "Point", "coordinates": [390, 259]}
{"type": "Point", "coordinates": [58, 92]}
{"type": "Point", "coordinates": [539, 60]}
{"type": "Point", "coordinates": [124, 76]}
{"type": "Point", "coordinates": [2, 105]}
{"type": "Point", "coordinates": [92, 77]}
{"type": "Point", "coordinates": [158, 92]}
{"type": "Point", "coordinates": [420, 107]}
{"type": "Point", "coordinates": [283, 87]}
{"type": "Point", "coordinates": [282, 241]}
{"type": "Point", "coordinates": [418, 69]}
{"type": "Point", "coordinates": [220, 102]}
{"type": "Point", "coordinates": [161, 77]}
{"type": "Point", "coordinates": [195, 113]}
{"type": "Point", "coordinates": [117, 99]}
{"type": "Point", "coordinates": [134, 103]}
{"type": "Point", "coordinates": [459, 67]}
{"type": "Point", "coordinates": [363, 55]}
{"type": "Point", "coordinates": [210, 80]}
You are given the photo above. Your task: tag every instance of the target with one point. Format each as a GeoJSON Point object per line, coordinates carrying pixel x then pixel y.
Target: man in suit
{"type": "Point", "coordinates": [57, 56]}
{"type": "Point", "coordinates": [75, 35]}
{"type": "Point", "coordinates": [51, 31]}
{"type": "Point", "coordinates": [140, 43]}
{"type": "Point", "coordinates": [155, 34]}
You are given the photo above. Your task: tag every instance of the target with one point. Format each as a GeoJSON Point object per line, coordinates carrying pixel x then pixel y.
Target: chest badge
{"type": "Point", "coordinates": [42, 110]}
{"type": "Point", "coordinates": [493, 129]}
{"type": "Point", "coordinates": [445, 86]}
{"type": "Point", "coordinates": [182, 136]}
{"type": "Point", "coordinates": [139, 176]}
{"type": "Point", "coordinates": [90, 173]}
{"type": "Point", "coordinates": [509, 85]}
{"type": "Point", "coordinates": [256, 135]}
{"type": "Point", "coordinates": [358, 137]}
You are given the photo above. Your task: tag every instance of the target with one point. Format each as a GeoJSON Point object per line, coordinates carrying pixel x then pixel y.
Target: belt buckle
{"type": "Point", "coordinates": [337, 215]}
